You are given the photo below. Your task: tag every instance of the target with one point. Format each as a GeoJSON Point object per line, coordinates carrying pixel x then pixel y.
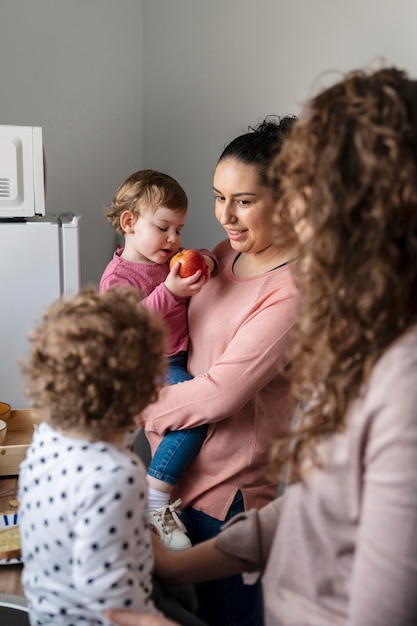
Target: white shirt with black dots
{"type": "Point", "coordinates": [86, 543]}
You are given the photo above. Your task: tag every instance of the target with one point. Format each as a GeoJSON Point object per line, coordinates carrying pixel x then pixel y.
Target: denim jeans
{"type": "Point", "coordinates": [177, 368]}
{"type": "Point", "coordinates": [178, 447]}
{"type": "Point", "coordinates": [226, 601]}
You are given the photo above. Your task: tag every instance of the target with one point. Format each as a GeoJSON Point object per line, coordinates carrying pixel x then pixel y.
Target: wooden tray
{"type": "Point", "coordinates": [18, 438]}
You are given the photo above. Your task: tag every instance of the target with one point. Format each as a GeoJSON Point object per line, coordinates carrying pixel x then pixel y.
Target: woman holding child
{"type": "Point", "coordinates": [240, 334]}
{"type": "Point", "coordinates": [340, 547]}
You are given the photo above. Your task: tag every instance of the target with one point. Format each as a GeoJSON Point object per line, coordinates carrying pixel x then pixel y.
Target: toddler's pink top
{"type": "Point", "coordinates": [149, 279]}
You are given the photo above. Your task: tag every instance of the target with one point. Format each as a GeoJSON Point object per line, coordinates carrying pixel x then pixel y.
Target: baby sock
{"type": "Point", "coordinates": [157, 499]}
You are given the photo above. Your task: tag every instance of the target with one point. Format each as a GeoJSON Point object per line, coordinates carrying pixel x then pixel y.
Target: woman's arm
{"type": "Point", "coordinates": [256, 354]}
{"type": "Point", "coordinates": [384, 581]}
{"type": "Point", "coordinates": [200, 563]}
{"type": "Point", "coordinates": [243, 546]}
{"type": "Point", "coordinates": [249, 535]}
{"type": "Point", "coordinates": [125, 618]}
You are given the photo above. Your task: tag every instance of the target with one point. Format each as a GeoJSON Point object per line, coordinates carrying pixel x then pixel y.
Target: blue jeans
{"type": "Point", "coordinates": [226, 601]}
{"type": "Point", "coordinates": [178, 447]}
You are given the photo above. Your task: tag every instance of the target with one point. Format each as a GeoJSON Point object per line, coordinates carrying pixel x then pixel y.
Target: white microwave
{"type": "Point", "coordinates": [22, 172]}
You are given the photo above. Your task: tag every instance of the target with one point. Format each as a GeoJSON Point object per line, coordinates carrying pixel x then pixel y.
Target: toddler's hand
{"type": "Point", "coordinates": [184, 287]}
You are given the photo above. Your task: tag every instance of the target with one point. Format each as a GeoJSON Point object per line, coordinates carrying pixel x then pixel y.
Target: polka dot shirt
{"type": "Point", "coordinates": [85, 539]}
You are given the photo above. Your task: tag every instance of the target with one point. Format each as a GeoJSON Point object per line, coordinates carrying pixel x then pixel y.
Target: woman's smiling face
{"type": "Point", "coordinates": [243, 206]}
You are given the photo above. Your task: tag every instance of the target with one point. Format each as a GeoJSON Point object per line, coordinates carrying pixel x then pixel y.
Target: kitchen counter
{"type": "Point", "coordinates": [10, 575]}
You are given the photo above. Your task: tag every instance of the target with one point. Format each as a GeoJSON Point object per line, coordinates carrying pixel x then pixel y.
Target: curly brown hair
{"type": "Point", "coordinates": [96, 361]}
{"type": "Point", "coordinates": [142, 190]}
{"type": "Point", "coordinates": [346, 182]}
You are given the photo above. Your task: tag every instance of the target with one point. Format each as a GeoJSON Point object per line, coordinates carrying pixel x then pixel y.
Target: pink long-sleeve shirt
{"type": "Point", "coordinates": [240, 334]}
{"type": "Point", "coordinates": [149, 279]}
{"type": "Point", "coordinates": [340, 547]}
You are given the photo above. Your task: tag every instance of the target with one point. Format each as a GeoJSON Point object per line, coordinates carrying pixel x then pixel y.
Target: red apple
{"type": "Point", "coordinates": [190, 261]}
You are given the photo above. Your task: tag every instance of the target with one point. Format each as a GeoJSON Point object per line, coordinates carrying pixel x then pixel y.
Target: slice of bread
{"type": "Point", "coordinates": [10, 543]}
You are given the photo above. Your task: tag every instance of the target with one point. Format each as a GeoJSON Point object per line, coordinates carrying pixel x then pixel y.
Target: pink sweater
{"type": "Point", "coordinates": [149, 279]}
{"type": "Point", "coordinates": [240, 331]}
{"type": "Point", "coordinates": [340, 548]}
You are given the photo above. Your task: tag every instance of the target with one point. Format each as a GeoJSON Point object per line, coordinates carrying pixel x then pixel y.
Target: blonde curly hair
{"type": "Point", "coordinates": [96, 361]}
{"type": "Point", "coordinates": [143, 190]}
{"type": "Point", "coordinates": [346, 183]}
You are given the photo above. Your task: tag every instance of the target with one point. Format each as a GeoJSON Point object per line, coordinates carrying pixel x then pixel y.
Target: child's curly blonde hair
{"type": "Point", "coordinates": [96, 361]}
{"type": "Point", "coordinates": [146, 189]}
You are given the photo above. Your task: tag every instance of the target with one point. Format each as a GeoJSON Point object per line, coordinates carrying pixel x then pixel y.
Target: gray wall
{"type": "Point", "coordinates": [75, 67]}
{"type": "Point", "coordinates": [122, 84]}
{"type": "Point", "coordinates": [213, 67]}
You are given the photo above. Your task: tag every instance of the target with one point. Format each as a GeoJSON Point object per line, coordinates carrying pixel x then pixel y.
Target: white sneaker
{"type": "Point", "coordinates": [168, 526]}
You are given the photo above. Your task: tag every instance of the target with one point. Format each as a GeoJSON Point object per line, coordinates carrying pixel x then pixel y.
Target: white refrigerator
{"type": "Point", "coordinates": [39, 263]}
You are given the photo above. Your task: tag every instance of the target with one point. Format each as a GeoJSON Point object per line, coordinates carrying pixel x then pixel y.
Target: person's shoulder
{"type": "Point", "coordinates": [113, 265]}
{"type": "Point", "coordinates": [402, 352]}
{"type": "Point", "coordinates": [120, 272]}
{"type": "Point", "coordinates": [223, 249]}
{"type": "Point", "coordinates": [280, 282]}
{"type": "Point", "coordinates": [116, 258]}
{"type": "Point", "coordinates": [385, 413]}
{"type": "Point", "coordinates": [396, 369]}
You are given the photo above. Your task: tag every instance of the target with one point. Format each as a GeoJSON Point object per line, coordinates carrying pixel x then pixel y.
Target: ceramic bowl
{"type": "Point", "coordinates": [5, 410]}
{"type": "Point", "coordinates": [3, 431]}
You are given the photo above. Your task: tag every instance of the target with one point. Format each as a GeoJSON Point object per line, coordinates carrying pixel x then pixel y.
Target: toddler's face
{"type": "Point", "coordinates": [155, 236]}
